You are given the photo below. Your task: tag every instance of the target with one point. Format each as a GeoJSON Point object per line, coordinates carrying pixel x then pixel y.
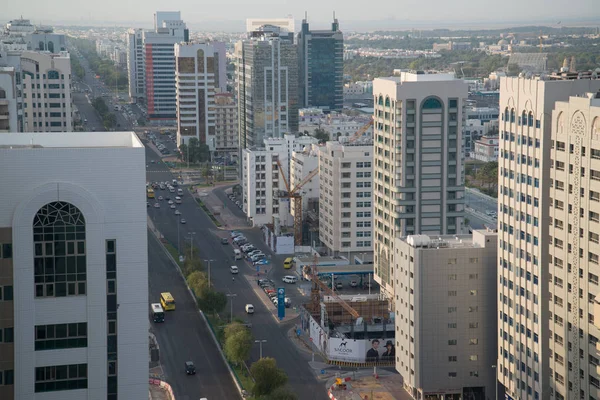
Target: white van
{"type": "Point", "coordinates": [237, 254]}
{"type": "Point", "coordinates": [290, 279]}
{"type": "Point", "coordinates": [249, 309]}
{"type": "Point", "coordinates": [234, 269]}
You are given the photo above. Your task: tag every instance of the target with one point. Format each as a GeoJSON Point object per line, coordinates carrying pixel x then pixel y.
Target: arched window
{"type": "Point", "coordinates": [432, 103]}
{"type": "Point", "coordinates": [2, 93]}
{"type": "Point", "coordinates": [523, 118]}
{"type": "Point", "coordinates": [387, 101]}
{"type": "Point", "coordinates": [512, 115]}
{"type": "Point", "coordinates": [53, 74]}
{"type": "Point", "coordinates": [59, 261]}
{"type": "Point", "coordinates": [51, 46]}
{"type": "Point", "coordinates": [506, 114]}
{"type": "Point", "coordinates": [530, 119]}
{"type": "Point", "coordinates": [41, 46]}
{"type": "Point", "coordinates": [380, 101]}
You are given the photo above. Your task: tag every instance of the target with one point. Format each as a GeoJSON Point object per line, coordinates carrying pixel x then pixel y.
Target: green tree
{"type": "Point", "coordinates": [513, 70]}
{"type": "Point", "coordinates": [183, 152]}
{"type": "Point", "coordinates": [212, 301]}
{"type": "Point", "coordinates": [267, 376]}
{"type": "Point", "coordinates": [281, 393]}
{"type": "Point", "coordinates": [237, 346]}
{"type": "Point", "coordinates": [206, 172]}
{"type": "Point", "coordinates": [141, 121]}
{"type": "Point", "coordinates": [100, 106]}
{"type": "Point", "coordinates": [321, 135]}
{"type": "Point", "coordinates": [488, 174]}
{"type": "Point", "coordinates": [198, 282]}
{"type": "Point", "coordinates": [109, 120]}
{"type": "Point", "coordinates": [193, 150]}
{"type": "Point", "coordinates": [233, 328]}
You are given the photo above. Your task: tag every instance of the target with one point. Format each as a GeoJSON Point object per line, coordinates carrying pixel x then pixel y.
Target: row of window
{"type": "Point", "coordinates": [359, 164]}
{"type": "Point", "coordinates": [7, 377]}
{"type": "Point", "coordinates": [521, 158]}
{"type": "Point", "coordinates": [520, 216]}
{"type": "Point", "coordinates": [60, 336]}
{"type": "Point", "coordinates": [520, 178]}
{"type": "Point", "coordinates": [61, 377]}
{"type": "Point", "coordinates": [359, 204]}
{"type": "Point", "coordinates": [521, 139]}
{"type": "Point", "coordinates": [7, 335]}
{"type": "Point", "coordinates": [519, 233]}
{"type": "Point", "coordinates": [6, 293]}
{"type": "Point", "coordinates": [6, 250]}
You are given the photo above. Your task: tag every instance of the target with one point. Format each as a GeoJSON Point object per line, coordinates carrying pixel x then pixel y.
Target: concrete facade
{"type": "Point", "coordinates": [301, 164]}
{"type": "Point", "coordinates": [199, 74]}
{"type": "Point", "coordinates": [445, 308]}
{"type": "Point", "coordinates": [135, 65]}
{"type": "Point", "coordinates": [486, 149]}
{"type": "Point", "coordinates": [8, 100]}
{"type": "Point", "coordinates": [102, 304]}
{"type": "Point", "coordinates": [345, 197]}
{"type": "Point", "coordinates": [46, 88]}
{"type": "Point", "coordinates": [525, 305]}
{"type": "Point", "coordinates": [226, 125]}
{"type": "Point", "coordinates": [418, 177]}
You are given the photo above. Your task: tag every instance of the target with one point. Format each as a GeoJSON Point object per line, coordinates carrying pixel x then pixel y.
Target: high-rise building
{"type": "Point", "coordinates": [199, 74]}
{"type": "Point", "coordinates": [302, 163]}
{"type": "Point", "coordinates": [73, 267]}
{"type": "Point", "coordinates": [159, 64]}
{"type": "Point", "coordinates": [287, 25]}
{"type": "Point", "coordinates": [574, 224]}
{"type": "Point", "coordinates": [135, 65]}
{"type": "Point", "coordinates": [418, 184]}
{"type": "Point", "coordinates": [541, 280]}
{"type": "Point", "coordinates": [446, 315]}
{"type": "Point", "coordinates": [8, 100]}
{"type": "Point", "coordinates": [321, 67]}
{"type": "Point", "coordinates": [46, 89]}
{"type": "Point", "coordinates": [266, 86]}
{"type": "Point", "coordinates": [346, 205]}
{"type": "Point", "coordinates": [262, 181]}
{"type": "Point", "coordinates": [226, 125]}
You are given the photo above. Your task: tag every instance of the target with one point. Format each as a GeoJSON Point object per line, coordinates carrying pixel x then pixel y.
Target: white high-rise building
{"type": "Point", "coordinates": [446, 315]}
{"type": "Point", "coordinates": [46, 89]}
{"type": "Point", "coordinates": [135, 64]}
{"type": "Point", "coordinates": [73, 267]}
{"type": "Point", "coordinates": [199, 74]}
{"type": "Point", "coordinates": [418, 184]}
{"type": "Point", "coordinates": [302, 163]}
{"type": "Point", "coordinates": [345, 197]}
{"type": "Point", "coordinates": [262, 182]}
{"type": "Point", "coordinates": [540, 283]}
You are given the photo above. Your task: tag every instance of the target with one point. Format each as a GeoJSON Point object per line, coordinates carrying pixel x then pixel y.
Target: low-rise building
{"type": "Point", "coordinates": [446, 315]}
{"type": "Point", "coordinates": [345, 197]}
{"type": "Point", "coordinates": [333, 124]}
{"type": "Point", "coordinates": [485, 149]}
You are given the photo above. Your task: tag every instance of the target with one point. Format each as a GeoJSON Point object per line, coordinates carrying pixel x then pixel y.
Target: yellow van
{"type": "Point", "coordinates": [287, 263]}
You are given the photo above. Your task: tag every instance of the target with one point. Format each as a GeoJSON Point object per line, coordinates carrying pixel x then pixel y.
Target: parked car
{"type": "Point", "coordinates": [338, 285]}
{"type": "Point", "coordinates": [263, 282]}
{"type": "Point", "coordinates": [224, 241]}
{"type": "Point", "coordinates": [353, 284]}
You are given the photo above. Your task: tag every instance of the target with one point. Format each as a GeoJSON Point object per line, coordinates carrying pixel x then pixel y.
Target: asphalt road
{"type": "Point", "coordinates": [184, 337]}
{"type": "Point", "coordinates": [207, 239]}
{"type": "Point", "coordinates": [479, 204]}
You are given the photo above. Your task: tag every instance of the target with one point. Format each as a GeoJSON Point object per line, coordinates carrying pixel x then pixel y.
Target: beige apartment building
{"type": "Point", "coordinates": [226, 126]}
{"type": "Point", "coordinates": [445, 306]}
{"type": "Point", "coordinates": [574, 247]}
{"type": "Point", "coordinates": [46, 89]}
{"type": "Point", "coordinates": [345, 197]}
{"type": "Point", "coordinates": [533, 355]}
{"type": "Point", "coordinates": [418, 180]}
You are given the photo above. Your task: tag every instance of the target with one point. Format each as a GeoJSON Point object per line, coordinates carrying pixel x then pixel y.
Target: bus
{"type": "Point", "coordinates": [157, 313]}
{"type": "Point", "coordinates": [167, 301]}
{"type": "Point", "coordinates": [150, 193]}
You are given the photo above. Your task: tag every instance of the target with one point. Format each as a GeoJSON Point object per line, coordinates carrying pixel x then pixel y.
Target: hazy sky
{"type": "Point", "coordinates": [233, 12]}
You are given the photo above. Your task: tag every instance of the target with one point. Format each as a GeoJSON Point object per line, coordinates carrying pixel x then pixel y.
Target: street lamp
{"type": "Point", "coordinates": [495, 367]}
{"type": "Point", "coordinates": [191, 238]}
{"type": "Point", "coordinates": [231, 296]}
{"type": "Point", "coordinates": [208, 262]}
{"type": "Point", "coordinates": [260, 343]}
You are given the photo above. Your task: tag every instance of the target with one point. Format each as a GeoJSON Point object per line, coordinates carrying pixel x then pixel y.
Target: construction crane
{"type": "Point", "coordinates": [296, 200]}
{"type": "Point", "coordinates": [318, 286]}
{"type": "Point", "coordinates": [361, 131]}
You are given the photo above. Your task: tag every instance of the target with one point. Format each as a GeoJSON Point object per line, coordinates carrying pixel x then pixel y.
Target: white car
{"type": "Point", "coordinates": [234, 269]}
{"type": "Point", "coordinates": [289, 279]}
{"type": "Point", "coordinates": [177, 212]}
{"type": "Point", "coordinates": [170, 202]}
{"type": "Point", "coordinates": [249, 309]}
{"type": "Point", "coordinates": [156, 205]}
{"type": "Point", "coordinates": [173, 206]}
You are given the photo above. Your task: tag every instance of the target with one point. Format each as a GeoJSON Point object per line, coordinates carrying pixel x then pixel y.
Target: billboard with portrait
{"type": "Point", "coordinates": [364, 350]}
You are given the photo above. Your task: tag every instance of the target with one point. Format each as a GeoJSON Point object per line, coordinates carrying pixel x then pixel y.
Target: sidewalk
{"type": "Point", "coordinates": [221, 210]}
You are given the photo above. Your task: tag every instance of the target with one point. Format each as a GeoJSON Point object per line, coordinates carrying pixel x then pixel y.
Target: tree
{"type": "Point", "coordinates": [321, 135]}
{"type": "Point", "coordinates": [488, 174]}
{"type": "Point", "coordinates": [281, 393]}
{"type": "Point", "coordinates": [183, 152]}
{"type": "Point", "coordinates": [206, 172]}
{"type": "Point", "coordinates": [198, 282]}
{"type": "Point", "coordinates": [100, 106]}
{"type": "Point", "coordinates": [109, 121]}
{"type": "Point", "coordinates": [513, 70]}
{"type": "Point", "coordinates": [237, 346]}
{"type": "Point", "coordinates": [141, 121]}
{"type": "Point", "coordinates": [212, 301]}
{"type": "Point", "coordinates": [267, 376]}
{"type": "Point", "coordinates": [233, 328]}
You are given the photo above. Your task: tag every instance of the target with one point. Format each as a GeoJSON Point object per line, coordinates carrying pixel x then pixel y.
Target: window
{"type": "Point", "coordinates": [452, 342]}
{"type": "Point", "coordinates": [473, 341]}
{"type": "Point", "coordinates": [452, 374]}
{"type": "Point", "coordinates": [59, 251]}
{"type": "Point", "coordinates": [7, 377]}
{"type": "Point", "coordinates": [452, 358]}
{"type": "Point", "coordinates": [6, 250]}
{"type": "Point", "coordinates": [7, 335]}
{"type": "Point", "coordinates": [60, 336]}
{"type": "Point", "coordinates": [6, 293]}
{"type": "Point", "coordinates": [473, 358]}
{"type": "Point", "coordinates": [60, 377]}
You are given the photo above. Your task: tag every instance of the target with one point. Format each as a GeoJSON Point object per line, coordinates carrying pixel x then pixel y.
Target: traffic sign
{"type": "Point", "coordinates": [281, 303]}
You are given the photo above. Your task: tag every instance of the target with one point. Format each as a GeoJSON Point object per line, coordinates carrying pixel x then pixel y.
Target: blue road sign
{"type": "Point", "coordinates": [281, 303]}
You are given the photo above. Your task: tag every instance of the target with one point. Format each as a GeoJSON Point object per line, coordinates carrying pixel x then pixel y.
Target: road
{"type": "Point", "coordinates": [207, 239]}
{"type": "Point", "coordinates": [184, 336]}
{"type": "Point", "coordinates": [478, 204]}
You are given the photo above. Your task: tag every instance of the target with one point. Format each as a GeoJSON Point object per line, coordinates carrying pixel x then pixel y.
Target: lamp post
{"type": "Point", "coordinates": [260, 343]}
{"type": "Point", "coordinates": [231, 296]}
{"type": "Point", "coordinates": [191, 238]}
{"type": "Point", "coordinates": [495, 367]}
{"type": "Point", "coordinates": [208, 262]}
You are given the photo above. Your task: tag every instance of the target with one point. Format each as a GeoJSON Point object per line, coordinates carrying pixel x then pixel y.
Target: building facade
{"type": "Point", "coordinates": [226, 125]}
{"type": "Point", "coordinates": [135, 65]}
{"type": "Point", "coordinates": [46, 89]}
{"type": "Point", "coordinates": [199, 74]}
{"type": "Point", "coordinates": [526, 308]}
{"type": "Point", "coordinates": [8, 100]}
{"type": "Point", "coordinates": [73, 267]}
{"type": "Point", "coordinates": [159, 64]}
{"type": "Point", "coordinates": [266, 82]}
{"type": "Point", "coordinates": [486, 149]}
{"type": "Point", "coordinates": [445, 315]}
{"type": "Point", "coordinates": [321, 67]}
{"type": "Point", "coordinates": [418, 184]}
{"type": "Point", "coordinates": [302, 163]}
{"type": "Point", "coordinates": [345, 197]}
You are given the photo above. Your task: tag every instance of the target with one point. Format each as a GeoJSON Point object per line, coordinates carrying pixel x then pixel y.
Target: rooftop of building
{"type": "Point", "coordinates": [436, 242]}
{"type": "Point", "coordinates": [420, 76]}
{"type": "Point", "coordinates": [70, 140]}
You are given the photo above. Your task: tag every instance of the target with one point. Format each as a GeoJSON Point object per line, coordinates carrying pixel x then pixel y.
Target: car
{"type": "Point", "coordinates": [239, 238]}
{"type": "Point", "coordinates": [156, 205]}
{"type": "Point", "coordinates": [147, 204]}
{"type": "Point", "coordinates": [289, 279]}
{"type": "Point", "coordinates": [190, 368]}
{"type": "Point", "coordinates": [183, 220]}
{"type": "Point", "coordinates": [160, 197]}
{"type": "Point", "coordinates": [235, 234]}
{"type": "Point", "coordinates": [263, 282]}
{"type": "Point", "coordinates": [237, 203]}
{"type": "Point", "coordinates": [353, 284]}
{"type": "Point", "coordinates": [242, 242]}
{"type": "Point", "coordinates": [253, 252]}
{"type": "Point", "coordinates": [275, 301]}
{"type": "Point", "coordinates": [338, 285]}
{"type": "Point", "coordinates": [257, 257]}
{"type": "Point", "coordinates": [263, 261]}
{"type": "Point", "coordinates": [177, 212]}
{"type": "Point", "coordinates": [269, 289]}
{"type": "Point", "coordinates": [224, 241]}
{"type": "Point", "coordinates": [234, 269]}
{"type": "Point", "coordinates": [171, 202]}
{"type": "Point", "coordinates": [249, 309]}
{"type": "Point", "coordinates": [173, 206]}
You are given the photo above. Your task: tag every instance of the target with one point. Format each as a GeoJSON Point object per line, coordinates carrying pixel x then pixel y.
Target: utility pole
{"type": "Point", "coordinates": [191, 238]}
{"type": "Point", "coordinates": [231, 296]}
{"type": "Point", "coordinates": [260, 343]}
{"type": "Point", "coordinates": [208, 262]}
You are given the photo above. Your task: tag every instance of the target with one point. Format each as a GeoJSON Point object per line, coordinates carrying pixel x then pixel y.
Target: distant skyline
{"type": "Point", "coordinates": [230, 15]}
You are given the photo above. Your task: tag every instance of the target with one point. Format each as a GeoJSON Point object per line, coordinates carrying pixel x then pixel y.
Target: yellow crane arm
{"type": "Point", "coordinates": [360, 132]}
{"type": "Point", "coordinates": [304, 181]}
{"type": "Point", "coordinates": [287, 187]}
